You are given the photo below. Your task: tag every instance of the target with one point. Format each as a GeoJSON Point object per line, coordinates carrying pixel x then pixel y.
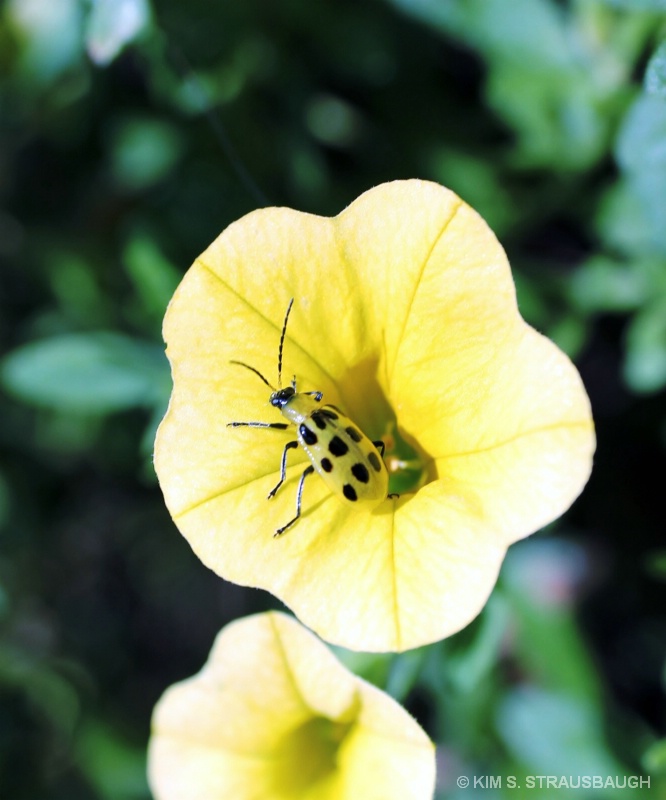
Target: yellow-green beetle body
{"type": "Point", "coordinates": [350, 464]}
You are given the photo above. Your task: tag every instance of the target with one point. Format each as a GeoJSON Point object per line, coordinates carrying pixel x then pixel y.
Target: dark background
{"type": "Point", "coordinates": [129, 138]}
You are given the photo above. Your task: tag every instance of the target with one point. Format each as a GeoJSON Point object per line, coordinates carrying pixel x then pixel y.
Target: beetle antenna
{"type": "Point", "coordinates": [284, 330]}
{"type": "Point", "coordinates": [256, 372]}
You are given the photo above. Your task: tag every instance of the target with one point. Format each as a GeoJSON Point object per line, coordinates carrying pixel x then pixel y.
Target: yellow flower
{"type": "Point", "coordinates": [404, 316]}
{"type": "Point", "coordinates": [274, 715]}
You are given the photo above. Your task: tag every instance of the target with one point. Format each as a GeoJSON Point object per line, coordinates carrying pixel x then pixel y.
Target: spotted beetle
{"type": "Point", "coordinates": [350, 464]}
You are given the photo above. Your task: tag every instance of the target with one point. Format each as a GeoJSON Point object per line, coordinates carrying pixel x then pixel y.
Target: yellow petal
{"type": "Point", "coordinates": [498, 407]}
{"type": "Point", "coordinates": [273, 714]}
{"type": "Point", "coordinates": [534, 454]}
{"type": "Point", "coordinates": [404, 314]}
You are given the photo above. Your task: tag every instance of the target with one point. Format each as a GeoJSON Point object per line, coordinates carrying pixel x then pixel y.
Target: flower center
{"type": "Point", "coordinates": [308, 755]}
{"type": "Point", "coordinates": [374, 412]}
{"type": "Point", "coordinates": [406, 467]}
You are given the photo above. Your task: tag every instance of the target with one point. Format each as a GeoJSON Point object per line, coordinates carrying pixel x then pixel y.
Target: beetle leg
{"type": "Point", "coordinates": [283, 468]}
{"type": "Point", "coordinates": [308, 471]}
{"type": "Point", "coordinates": [381, 447]}
{"type": "Point", "coordinates": [281, 426]}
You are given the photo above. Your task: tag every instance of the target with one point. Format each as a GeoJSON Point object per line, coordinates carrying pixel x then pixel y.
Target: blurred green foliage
{"type": "Point", "coordinates": [130, 136]}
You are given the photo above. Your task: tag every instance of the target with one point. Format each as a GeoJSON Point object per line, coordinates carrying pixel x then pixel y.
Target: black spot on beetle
{"type": "Point", "coordinates": [360, 472]}
{"type": "Point", "coordinates": [318, 419]}
{"type": "Point", "coordinates": [349, 492]}
{"type": "Point", "coordinates": [309, 437]}
{"type": "Point", "coordinates": [326, 465]}
{"type": "Point", "coordinates": [374, 462]}
{"type": "Point", "coordinates": [354, 434]}
{"type": "Point", "coordinates": [337, 447]}
{"type": "Point", "coordinates": [326, 412]}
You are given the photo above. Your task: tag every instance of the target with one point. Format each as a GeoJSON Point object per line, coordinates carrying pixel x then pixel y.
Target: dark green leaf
{"type": "Point", "coordinates": [143, 151]}
{"type": "Point", "coordinates": [554, 734]}
{"type": "Point", "coordinates": [95, 373]}
{"type": "Point", "coordinates": [638, 5]}
{"type": "Point", "coordinates": [655, 76]}
{"type": "Point", "coordinates": [654, 758]}
{"type": "Point", "coordinates": [116, 768]}
{"type": "Point", "coordinates": [645, 364]}
{"type": "Point", "coordinates": [641, 144]}
{"type": "Point", "coordinates": [154, 277]}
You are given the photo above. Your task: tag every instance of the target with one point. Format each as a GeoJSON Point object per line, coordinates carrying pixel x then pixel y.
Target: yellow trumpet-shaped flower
{"type": "Point", "coordinates": [405, 317]}
{"type": "Point", "coordinates": [274, 715]}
